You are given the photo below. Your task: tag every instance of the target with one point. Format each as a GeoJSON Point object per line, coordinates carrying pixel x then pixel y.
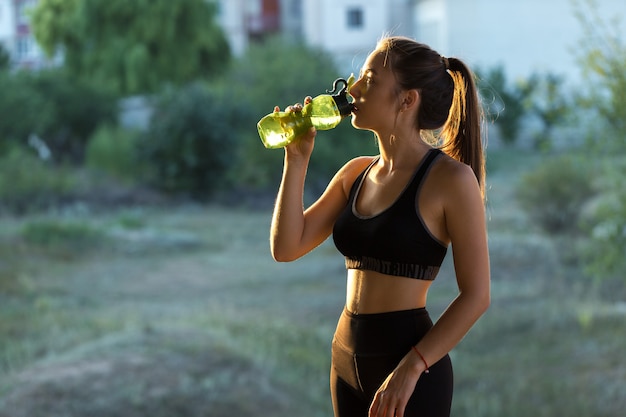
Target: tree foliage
{"type": "Point", "coordinates": [5, 58]}
{"type": "Point", "coordinates": [549, 105]}
{"type": "Point", "coordinates": [133, 46]}
{"type": "Point", "coordinates": [52, 109]}
{"type": "Point", "coordinates": [191, 140]}
{"type": "Point", "coordinates": [553, 193]}
{"type": "Point", "coordinates": [602, 54]}
{"type": "Point", "coordinates": [505, 102]}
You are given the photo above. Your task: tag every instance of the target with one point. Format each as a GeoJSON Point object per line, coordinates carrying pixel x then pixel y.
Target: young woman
{"type": "Point", "coordinates": [393, 216]}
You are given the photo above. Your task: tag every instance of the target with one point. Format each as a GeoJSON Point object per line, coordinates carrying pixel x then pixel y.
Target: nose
{"type": "Point", "coordinates": [354, 91]}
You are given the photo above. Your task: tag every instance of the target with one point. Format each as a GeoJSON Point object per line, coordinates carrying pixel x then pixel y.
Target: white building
{"type": "Point", "coordinates": [7, 24]}
{"type": "Point", "coordinates": [349, 29]}
{"type": "Point", "coordinates": [523, 36]}
{"type": "Point", "coordinates": [16, 35]}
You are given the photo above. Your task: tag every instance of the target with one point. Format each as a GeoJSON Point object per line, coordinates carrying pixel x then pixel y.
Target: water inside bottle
{"type": "Point", "coordinates": [278, 129]}
{"type": "Point", "coordinates": [325, 114]}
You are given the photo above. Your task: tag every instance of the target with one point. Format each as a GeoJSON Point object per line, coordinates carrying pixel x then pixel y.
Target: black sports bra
{"type": "Point", "coordinates": [395, 241]}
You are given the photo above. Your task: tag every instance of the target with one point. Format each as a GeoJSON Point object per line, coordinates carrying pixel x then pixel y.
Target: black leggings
{"type": "Point", "coordinates": [367, 348]}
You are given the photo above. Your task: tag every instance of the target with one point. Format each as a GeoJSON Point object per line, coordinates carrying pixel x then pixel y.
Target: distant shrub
{"type": "Point", "coordinates": [113, 150]}
{"type": "Point", "coordinates": [28, 184]}
{"type": "Point", "coordinates": [60, 111]}
{"type": "Point", "coordinates": [606, 224]}
{"type": "Point", "coordinates": [554, 193]}
{"type": "Point", "coordinates": [77, 111]}
{"type": "Point", "coordinates": [23, 110]}
{"type": "Point", "coordinates": [191, 140]}
{"type": "Point", "coordinates": [5, 58]}
{"type": "Point", "coordinates": [61, 237]}
{"type": "Point", "coordinates": [601, 53]}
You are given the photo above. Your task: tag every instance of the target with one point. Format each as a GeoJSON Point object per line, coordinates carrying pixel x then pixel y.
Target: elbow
{"type": "Point", "coordinates": [480, 300]}
{"type": "Point", "coordinates": [281, 255]}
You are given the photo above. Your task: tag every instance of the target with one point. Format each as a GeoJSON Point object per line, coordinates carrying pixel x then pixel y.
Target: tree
{"type": "Point", "coordinates": [191, 140]}
{"type": "Point", "coordinates": [5, 58]}
{"type": "Point", "coordinates": [506, 103]}
{"type": "Point", "coordinates": [549, 104]}
{"type": "Point", "coordinates": [602, 55]}
{"type": "Point", "coordinates": [54, 107]}
{"type": "Point", "coordinates": [133, 47]}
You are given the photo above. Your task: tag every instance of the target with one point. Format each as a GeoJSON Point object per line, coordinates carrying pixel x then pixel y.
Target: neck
{"type": "Point", "coordinates": [401, 151]}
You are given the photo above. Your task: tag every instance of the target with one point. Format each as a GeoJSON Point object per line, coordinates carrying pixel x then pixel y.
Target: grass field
{"type": "Point", "coordinates": [182, 312]}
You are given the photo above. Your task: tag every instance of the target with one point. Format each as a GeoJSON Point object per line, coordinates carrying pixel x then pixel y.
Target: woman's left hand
{"type": "Point", "coordinates": [393, 395]}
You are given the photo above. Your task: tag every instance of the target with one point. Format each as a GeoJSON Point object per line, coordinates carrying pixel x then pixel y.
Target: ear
{"type": "Point", "coordinates": [411, 100]}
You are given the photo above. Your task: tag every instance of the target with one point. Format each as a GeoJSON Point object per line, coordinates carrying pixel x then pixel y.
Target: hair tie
{"type": "Point", "coordinates": [445, 62]}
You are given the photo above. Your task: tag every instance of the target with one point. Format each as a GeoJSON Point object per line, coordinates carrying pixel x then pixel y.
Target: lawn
{"type": "Point", "coordinates": [181, 311]}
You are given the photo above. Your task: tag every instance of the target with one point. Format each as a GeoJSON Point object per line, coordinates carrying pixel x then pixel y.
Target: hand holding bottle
{"type": "Point", "coordinates": [301, 145]}
{"type": "Point", "coordinates": [278, 129]}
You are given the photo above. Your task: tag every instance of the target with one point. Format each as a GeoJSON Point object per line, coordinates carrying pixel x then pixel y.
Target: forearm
{"type": "Point", "coordinates": [453, 325]}
{"type": "Point", "coordinates": [288, 217]}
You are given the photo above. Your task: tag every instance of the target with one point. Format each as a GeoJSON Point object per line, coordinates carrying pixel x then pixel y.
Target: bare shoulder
{"type": "Point", "coordinates": [455, 179]}
{"type": "Point", "coordinates": [351, 170]}
{"type": "Point", "coordinates": [357, 164]}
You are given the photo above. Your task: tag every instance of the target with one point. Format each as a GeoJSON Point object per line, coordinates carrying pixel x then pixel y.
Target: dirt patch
{"type": "Point", "coordinates": [152, 375]}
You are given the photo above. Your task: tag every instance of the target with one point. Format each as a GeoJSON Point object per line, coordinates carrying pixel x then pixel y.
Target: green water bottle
{"type": "Point", "coordinates": [324, 112]}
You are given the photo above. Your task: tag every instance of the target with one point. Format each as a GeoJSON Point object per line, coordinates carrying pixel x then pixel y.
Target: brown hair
{"type": "Point", "coordinates": [449, 98]}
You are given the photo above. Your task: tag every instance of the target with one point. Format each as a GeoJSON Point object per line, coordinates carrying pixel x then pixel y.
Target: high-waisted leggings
{"type": "Point", "coordinates": [367, 348]}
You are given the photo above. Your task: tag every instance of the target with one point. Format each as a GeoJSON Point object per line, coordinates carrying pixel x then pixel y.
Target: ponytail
{"type": "Point", "coordinates": [462, 138]}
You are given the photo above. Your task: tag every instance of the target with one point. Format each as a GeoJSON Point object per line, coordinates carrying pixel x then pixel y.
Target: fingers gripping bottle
{"type": "Point", "coordinates": [324, 112]}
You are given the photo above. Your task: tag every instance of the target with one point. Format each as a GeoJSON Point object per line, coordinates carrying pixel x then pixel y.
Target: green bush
{"type": "Point", "coordinates": [63, 113]}
{"type": "Point", "coordinates": [23, 110]}
{"type": "Point", "coordinates": [28, 184]}
{"type": "Point", "coordinates": [191, 140]}
{"type": "Point", "coordinates": [606, 224]}
{"type": "Point", "coordinates": [5, 59]}
{"type": "Point", "coordinates": [113, 150]}
{"type": "Point", "coordinates": [61, 237]}
{"type": "Point", "coordinates": [554, 193]}
{"type": "Point", "coordinates": [602, 55]}
{"type": "Point", "coordinates": [77, 111]}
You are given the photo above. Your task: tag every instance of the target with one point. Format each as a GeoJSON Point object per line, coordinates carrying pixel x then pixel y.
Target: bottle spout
{"type": "Point", "coordinates": [341, 96]}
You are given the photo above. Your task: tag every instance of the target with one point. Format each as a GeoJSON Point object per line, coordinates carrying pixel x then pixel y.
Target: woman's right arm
{"type": "Point", "coordinates": [294, 231]}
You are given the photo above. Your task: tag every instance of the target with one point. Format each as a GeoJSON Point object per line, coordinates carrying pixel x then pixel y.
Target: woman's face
{"type": "Point", "coordinates": [375, 95]}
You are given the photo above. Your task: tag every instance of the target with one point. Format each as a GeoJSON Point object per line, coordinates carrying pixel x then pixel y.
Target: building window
{"type": "Point", "coordinates": [355, 18]}
{"type": "Point", "coordinates": [24, 47]}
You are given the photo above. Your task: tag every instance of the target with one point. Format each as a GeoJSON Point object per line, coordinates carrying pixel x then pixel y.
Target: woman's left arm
{"type": "Point", "coordinates": [464, 213]}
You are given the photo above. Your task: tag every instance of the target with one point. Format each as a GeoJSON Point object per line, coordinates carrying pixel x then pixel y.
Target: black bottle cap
{"type": "Point", "coordinates": [341, 97]}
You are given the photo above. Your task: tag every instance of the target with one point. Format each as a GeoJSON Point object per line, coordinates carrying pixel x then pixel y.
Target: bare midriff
{"type": "Point", "coordinates": [372, 292]}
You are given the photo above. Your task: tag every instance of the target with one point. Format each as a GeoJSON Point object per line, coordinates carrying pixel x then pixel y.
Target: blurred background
{"type": "Point", "coordinates": [136, 196]}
